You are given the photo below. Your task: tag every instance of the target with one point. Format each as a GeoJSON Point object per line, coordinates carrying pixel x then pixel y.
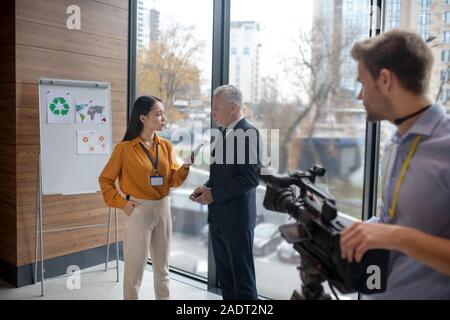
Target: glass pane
{"type": "Point", "coordinates": [174, 63]}
{"type": "Point", "coordinates": [297, 76]}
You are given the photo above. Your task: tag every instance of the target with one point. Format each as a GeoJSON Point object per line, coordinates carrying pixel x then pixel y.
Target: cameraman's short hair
{"type": "Point", "coordinates": [233, 94]}
{"type": "Point", "coordinates": [402, 52]}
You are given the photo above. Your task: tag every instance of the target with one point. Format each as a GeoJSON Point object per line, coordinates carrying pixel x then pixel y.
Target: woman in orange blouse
{"type": "Point", "coordinates": [146, 168]}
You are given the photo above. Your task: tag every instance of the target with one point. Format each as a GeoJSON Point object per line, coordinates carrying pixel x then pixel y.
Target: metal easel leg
{"type": "Point", "coordinates": [107, 239]}
{"type": "Point", "coordinates": [37, 230]}
{"type": "Point", "coordinates": [42, 248]}
{"type": "Point", "coordinates": [41, 230]}
{"type": "Point", "coordinates": [117, 242]}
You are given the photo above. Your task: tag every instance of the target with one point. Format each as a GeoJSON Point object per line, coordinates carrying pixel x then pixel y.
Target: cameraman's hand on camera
{"type": "Point", "coordinates": [360, 237]}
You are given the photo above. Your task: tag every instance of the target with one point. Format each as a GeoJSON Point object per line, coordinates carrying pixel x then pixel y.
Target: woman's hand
{"type": "Point", "coordinates": [186, 165]}
{"type": "Point", "coordinates": [187, 162]}
{"type": "Point", "coordinates": [129, 207]}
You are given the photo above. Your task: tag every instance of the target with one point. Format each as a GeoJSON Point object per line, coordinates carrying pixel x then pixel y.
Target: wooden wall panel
{"type": "Point", "coordinates": [97, 17]}
{"type": "Point", "coordinates": [8, 164]}
{"type": "Point", "coordinates": [8, 232]}
{"type": "Point", "coordinates": [66, 241]}
{"type": "Point", "coordinates": [8, 225]}
{"type": "Point", "coordinates": [7, 94]}
{"type": "Point", "coordinates": [115, 3]}
{"type": "Point", "coordinates": [7, 125]}
{"type": "Point", "coordinates": [46, 48]}
{"type": "Point", "coordinates": [43, 36]}
{"type": "Point", "coordinates": [69, 241]}
{"type": "Point", "coordinates": [8, 25]}
{"type": "Point", "coordinates": [7, 64]}
{"type": "Point", "coordinates": [38, 63]}
{"type": "Point", "coordinates": [8, 208]}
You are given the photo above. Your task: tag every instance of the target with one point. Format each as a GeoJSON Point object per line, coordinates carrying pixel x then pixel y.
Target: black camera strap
{"type": "Point", "coordinates": [399, 121]}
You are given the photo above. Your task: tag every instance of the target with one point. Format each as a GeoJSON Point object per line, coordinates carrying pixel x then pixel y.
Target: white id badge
{"type": "Point", "coordinates": [156, 181]}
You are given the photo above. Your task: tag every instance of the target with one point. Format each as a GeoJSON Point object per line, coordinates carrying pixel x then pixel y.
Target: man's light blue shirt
{"type": "Point", "coordinates": [423, 203]}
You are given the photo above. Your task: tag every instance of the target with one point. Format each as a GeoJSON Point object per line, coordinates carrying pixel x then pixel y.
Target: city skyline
{"type": "Point", "coordinates": [147, 26]}
{"type": "Point", "coordinates": [245, 48]}
{"type": "Point", "coordinates": [422, 16]}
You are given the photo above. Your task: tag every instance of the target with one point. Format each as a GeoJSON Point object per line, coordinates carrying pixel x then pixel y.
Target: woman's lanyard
{"type": "Point", "coordinates": [149, 156]}
{"type": "Point", "coordinates": [402, 175]}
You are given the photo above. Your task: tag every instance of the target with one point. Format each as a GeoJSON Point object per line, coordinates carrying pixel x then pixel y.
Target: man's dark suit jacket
{"type": "Point", "coordinates": [233, 186]}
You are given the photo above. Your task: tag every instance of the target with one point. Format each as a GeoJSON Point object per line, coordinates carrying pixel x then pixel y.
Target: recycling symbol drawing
{"type": "Point", "coordinates": [59, 106]}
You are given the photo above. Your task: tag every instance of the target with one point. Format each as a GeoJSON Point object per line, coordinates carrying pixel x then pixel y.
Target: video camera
{"type": "Point", "coordinates": [316, 236]}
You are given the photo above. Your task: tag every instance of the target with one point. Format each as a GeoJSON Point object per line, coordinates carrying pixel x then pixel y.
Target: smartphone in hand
{"type": "Point", "coordinates": [195, 152]}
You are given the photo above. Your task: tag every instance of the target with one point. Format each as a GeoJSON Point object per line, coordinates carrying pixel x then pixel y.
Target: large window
{"type": "Point", "coordinates": [297, 77]}
{"type": "Point", "coordinates": [292, 62]}
{"type": "Point", "coordinates": [174, 63]}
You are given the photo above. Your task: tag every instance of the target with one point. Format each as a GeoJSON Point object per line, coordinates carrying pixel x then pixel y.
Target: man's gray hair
{"type": "Point", "coordinates": [233, 94]}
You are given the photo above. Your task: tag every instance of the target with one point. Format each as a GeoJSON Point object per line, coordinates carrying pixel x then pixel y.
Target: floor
{"type": "Point", "coordinates": [97, 284]}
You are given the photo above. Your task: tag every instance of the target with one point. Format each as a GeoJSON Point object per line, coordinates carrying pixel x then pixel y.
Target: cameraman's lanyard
{"type": "Point", "coordinates": [402, 175]}
{"type": "Point", "coordinates": [154, 180]}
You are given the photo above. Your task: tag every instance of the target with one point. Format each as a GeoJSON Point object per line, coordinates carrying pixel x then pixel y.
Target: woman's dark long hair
{"type": "Point", "coordinates": [142, 106]}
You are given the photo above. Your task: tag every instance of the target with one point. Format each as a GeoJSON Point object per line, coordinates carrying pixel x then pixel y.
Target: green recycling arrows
{"type": "Point", "coordinates": [59, 106]}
